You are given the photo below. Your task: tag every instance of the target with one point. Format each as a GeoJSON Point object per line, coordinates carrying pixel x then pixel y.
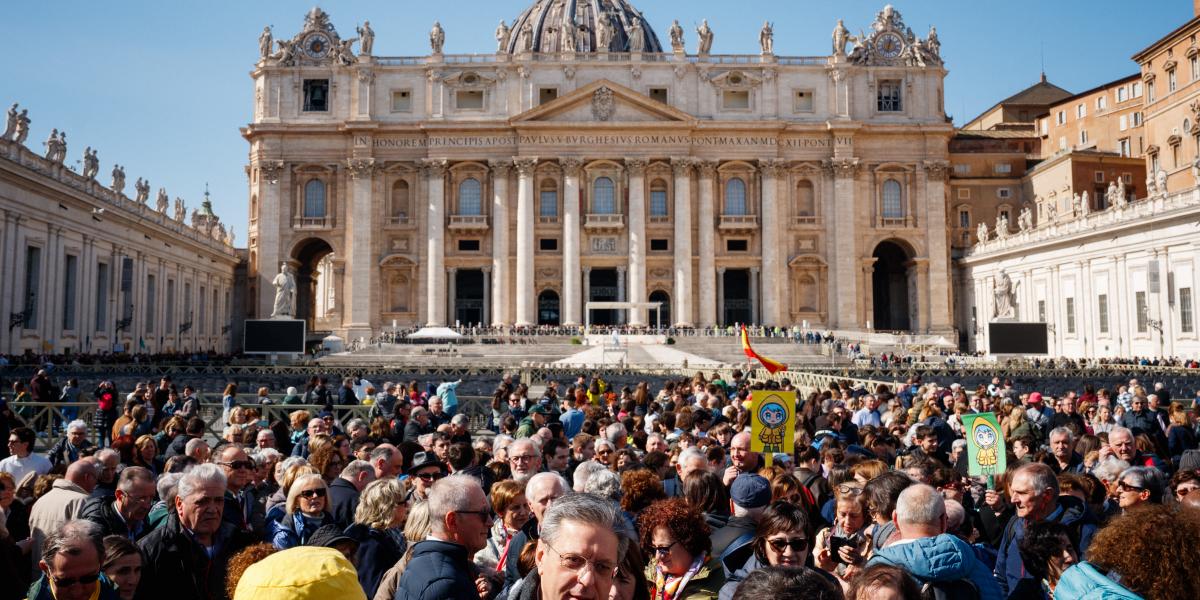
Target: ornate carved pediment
{"type": "Point", "coordinates": [1170, 64]}
{"type": "Point", "coordinates": [399, 261]}
{"type": "Point", "coordinates": [807, 261]}
{"type": "Point", "coordinates": [318, 43]}
{"type": "Point", "coordinates": [735, 80]}
{"type": "Point", "coordinates": [468, 80]}
{"type": "Point", "coordinates": [603, 101]}
{"type": "Point", "coordinates": [807, 168]}
{"type": "Point", "coordinates": [603, 104]}
{"type": "Point", "coordinates": [892, 43]}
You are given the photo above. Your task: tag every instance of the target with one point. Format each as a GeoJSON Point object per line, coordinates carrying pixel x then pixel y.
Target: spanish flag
{"type": "Point", "coordinates": [771, 366]}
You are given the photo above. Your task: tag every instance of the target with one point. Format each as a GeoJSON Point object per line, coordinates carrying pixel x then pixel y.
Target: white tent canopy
{"type": "Point", "coordinates": [434, 333]}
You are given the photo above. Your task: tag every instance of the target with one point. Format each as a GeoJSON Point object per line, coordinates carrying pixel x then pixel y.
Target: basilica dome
{"type": "Point", "coordinates": [582, 26]}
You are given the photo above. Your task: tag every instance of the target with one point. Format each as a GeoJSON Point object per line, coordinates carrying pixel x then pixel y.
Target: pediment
{"type": "Point", "coordinates": [603, 101]}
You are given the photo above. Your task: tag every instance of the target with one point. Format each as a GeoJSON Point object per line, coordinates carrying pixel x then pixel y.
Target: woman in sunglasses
{"type": "Point", "coordinates": [782, 539]}
{"type": "Point", "coordinates": [307, 510]}
{"type": "Point", "coordinates": [676, 538]}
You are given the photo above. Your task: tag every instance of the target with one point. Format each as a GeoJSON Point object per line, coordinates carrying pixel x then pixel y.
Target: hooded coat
{"type": "Point", "coordinates": [941, 559]}
{"type": "Point", "coordinates": [326, 574]}
{"type": "Point", "coordinates": [1083, 582]}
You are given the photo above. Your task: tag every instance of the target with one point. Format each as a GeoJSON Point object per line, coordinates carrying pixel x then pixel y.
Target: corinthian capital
{"type": "Point", "coordinates": [937, 170]}
{"type": "Point", "coordinates": [500, 168]}
{"type": "Point", "coordinates": [271, 170]}
{"type": "Point", "coordinates": [844, 168]}
{"type": "Point", "coordinates": [434, 167]}
{"type": "Point", "coordinates": [707, 168]}
{"type": "Point", "coordinates": [525, 164]}
{"type": "Point", "coordinates": [636, 166]}
{"type": "Point", "coordinates": [361, 168]}
{"type": "Point", "coordinates": [572, 166]}
{"type": "Point", "coordinates": [683, 165]}
{"type": "Point", "coordinates": [772, 167]}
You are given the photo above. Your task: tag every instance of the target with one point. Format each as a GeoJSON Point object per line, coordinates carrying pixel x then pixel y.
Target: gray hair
{"type": "Point", "coordinates": [200, 476]}
{"type": "Point", "coordinates": [691, 453]}
{"type": "Point", "coordinates": [1040, 476]}
{"type": "Point", "coordinates": [448, 495]}
{"type": "Point", "coordinates": [1109, 469]}
{"type": "Point", "coordinates": [68, 538]}
{"type": "Point", "coordinates": [192, 445]}
{"type": "Point", "coordinates": [614, 432]}
{"type": "Point", "coordinates": [131, 476]}
{"type": "Point", "coordinates": [523, 442]}
{"type": "Point", "coordinates": [106, 453]}
{"type": "Point", "coordinates": [356, 468]}
{"type": "Point", "coordinates": [605, 484]}
{"type": "Point", "coordinates": [355, 424]}
{"type": "Point", "coordinates": [585, 509]}
{"type": "Point", "coordinates": [502, 441]}
{"type": "Point", "coordinates": [266, 454]}
{"type": "Point", "coordinates": [584, 472]}
{"type": "Point", "coordinates": [920, 504]}
{"type": "Point", "coordinates": [1147, 478]}
{"type": "Point", "coordinates": [460, 419]}
{"type": "Point", "coordinates": [282, 467]}
{"type": "Point", "coordinates": [425, 440]}
{"type": "Point", "coordinates": [77, 425]}
{"type": "Point", "coordinates": [384, 451]}
{"type": "Point", "coordinates": [1119, 429]}
{"type": "Point", "coordinates": [1062, 431]}
{"type": "Point", "coordinates": [167, 485]}
{"type": "Point", "coordinates": [955, 515]}
{"type": "Point", "coordinates": [545, 478]}
{"type": "Point", "coordinates": [653, 436]}
{"type": "Point", "coordinates": [959, 443]}
{"type": "Point", "coordinates": [603, 442]}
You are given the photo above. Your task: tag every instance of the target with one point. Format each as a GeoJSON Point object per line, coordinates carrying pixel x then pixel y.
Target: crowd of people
{"type": "Point", "coordinates": [584, 490]}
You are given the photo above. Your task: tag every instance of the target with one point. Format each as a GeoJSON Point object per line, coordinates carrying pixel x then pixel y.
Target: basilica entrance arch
{"type": "Point", "coordinates": [469, 298]}
{"type": "Point", "coordinates": [548, 308]}
{"type": "Point", "coordinates": [892, 287]}
{"type": "Point", "coordinates": [603, 287]}
{"type": "Point", "coordinates": [314, 285]}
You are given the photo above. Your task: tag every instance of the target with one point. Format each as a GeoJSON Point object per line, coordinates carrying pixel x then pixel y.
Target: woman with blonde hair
{"type": "Point", "coordinates": [417, 527]}
{"type": "Point", "coordinates": [228, 402]}
{"type": "Point", "coordinates": [307, 510]}
{"type": "Point", "coordinates": [378, 520]}
{"type": "Point", "coordinates": [145, 454]}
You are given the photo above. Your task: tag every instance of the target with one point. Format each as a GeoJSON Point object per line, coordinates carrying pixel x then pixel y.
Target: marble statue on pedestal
{"type": "Point", "coordinates": [1160, 180]}
{"type": "Point", "coordinates": [1151, 190]}
{"type": "Point", "coordinates": [437, 37]}
{"type": "Point", "coordinates": [22, 131]}
{"type": "Point", "coordinates": [705, 34]}
{"type": "Point", "coordinates": [502, 35]}
{"type": "Point", "coordinates": [141, 190]}
{"type": "Point", "coordinates": [1001, 227]}
{"type": "Point", "coordinates": [676, 33]}
{"type": "Point", "coordinates": [162, 201]}
{"type": "Point", "coordinates": [180, 209]}
{"type": "Point", "coordinates": [285, 293]}
{"type": "Point", "coordinates": [1122, 197]}
{"type": "Point", "coordinates": [1085, 205]}
{"type": "Point", "coordinates": [56, 146]}
{"type": "Point", "coordinates": [10, 127]}
{"type": "Point", "coordinates": [91, 163]}
{"type": "Point", "coordinates": [366, 39]}
{"type": "Point", "coordinates": [841, 37]}
{"type": "Point", "coordinates": [604, 34]}
{"type": "Point", "coordinates": [982, 232]}
{"type": "Point", "coordinates": [118, 179]}
{"type": "Point", "coordinates": [1004, 295]}
{"type": "Point", "coordinates": [1025, 219]}
{"type": "Point", "coordinates": [1110, 194]}
{"type": "Point", "coordinates": [637, 42]}
{"type": "Point", "coordinates": [766, 38]}
{"type": "Point", "coordinates": [264, 42]}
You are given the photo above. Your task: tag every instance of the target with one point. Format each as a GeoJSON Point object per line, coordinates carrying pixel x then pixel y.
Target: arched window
{"type": "Point", "coordinates": [314, 199]}
{"type": "Point", "coordinates": [806, 203]}
{"type": "Point", "coordinates": [400, 199]}
{"type": "Point", "coordinates": [664, 315]}
{"type": "Point", "coordinates": [470, 197]}
{"type": "Point", "coordinates": [893, 207]}
{"type": "Point", "coordinates": [658, 198]}
{"type": "Point", "coordinates": [604, 197]}
{"type": "Point", "coordinates": [735, 197]}
{"type": "Point", "coordinates": [548, 200]}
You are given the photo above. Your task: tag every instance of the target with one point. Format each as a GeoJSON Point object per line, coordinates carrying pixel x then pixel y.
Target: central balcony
{"type": "Point", "coordinates": [738, 223]}
{"type": "Point", "coordinates": [604, 222]}
{"type": "Point", "coordinates": [468, 223]}
{"type": "Point", "coordinates": [312, 222]}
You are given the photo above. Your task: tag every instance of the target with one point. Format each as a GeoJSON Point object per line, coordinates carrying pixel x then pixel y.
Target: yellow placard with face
{"type": "Point", "coordinates": [773, 421]}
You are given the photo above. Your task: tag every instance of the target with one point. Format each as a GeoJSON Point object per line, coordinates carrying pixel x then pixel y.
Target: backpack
{"type": "Point", "coordinates": [958, 589]}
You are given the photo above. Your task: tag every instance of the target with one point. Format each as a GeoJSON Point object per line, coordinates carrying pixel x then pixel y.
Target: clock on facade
{"type": "Point", "coordinates": [316, 45]}
{"type": "Point", "coordinates": [889, 44]}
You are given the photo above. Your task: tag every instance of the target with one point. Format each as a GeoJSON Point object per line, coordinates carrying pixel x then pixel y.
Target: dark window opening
{"type": "Point", "coordinates": [468, 245]}
{"type": "Point", "coordinates": [316, 95]}
{"type": "Point", "coordinates": [660, 245]}
{"type": "Point", "coordinates": [737, 245]}
{"type": "Point", "coordinates": [548, 244]}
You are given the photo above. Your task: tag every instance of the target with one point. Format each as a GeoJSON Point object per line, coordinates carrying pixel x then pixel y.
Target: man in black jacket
{"type": "Point", "coordinates": [749, 495]}
{"type": "Point", "coordinates": [440, 566]}
{"type": "Point", "coordinates": [124, 514]}
{"type": "Point", "coordinates": [344, 491]}
{"type": "Point", "coordinates": [418, 425]}
{"type": "Point", "coordinates": [242, 509]}
{"type": "Point", "coordinates": [187, 557]}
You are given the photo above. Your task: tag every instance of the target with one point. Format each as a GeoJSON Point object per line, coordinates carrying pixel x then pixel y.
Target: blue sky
{"type": "Point", "coordinates": [162, 87]}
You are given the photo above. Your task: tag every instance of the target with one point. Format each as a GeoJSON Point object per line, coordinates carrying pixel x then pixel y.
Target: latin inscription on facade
{"type": "Point", "coordinates": [604, 245]}
{"type": "Point", "coordinates": [492, 141]}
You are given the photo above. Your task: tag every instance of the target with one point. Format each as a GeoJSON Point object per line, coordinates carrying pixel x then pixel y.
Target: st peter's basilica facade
{"type": "Point", "coordinates": [586, 159]}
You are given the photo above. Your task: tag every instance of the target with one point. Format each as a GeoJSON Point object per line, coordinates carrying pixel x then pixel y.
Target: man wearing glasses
{"type": "Point", "coordinates": [525, 459]}
{"type": "Point", "coordinates": [242, 509]}
{"type": "Point", "coordinates": [70, 565]}
{"type": "Point", "coordinates": [124, 514]}
{"type": "Point", "coordinates": [425, 471]}
{"type": "Point", "coordinates": [440, 566]}
{"type": "Point", "coordinates": [579, 551]}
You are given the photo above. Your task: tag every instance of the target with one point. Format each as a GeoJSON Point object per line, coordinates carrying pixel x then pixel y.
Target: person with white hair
{"type": "Point", "coordinates": [930, 554]}
{"type": "Point", "coordinates": [616, 434]}
{"type": "Point", "coordinates": [605, 484]}
{"type": "Point", "coordinates": [72, 445]}
{"type": "Point", "coordinates": [187, 557]}
{"type": "Point", "coordinates": [525, 459]}
{"type": "Point", "coordinates": [584, 472]}
{"type": "Point", "coordinates": [689, 461]}
{"type": "Point", "coordinates": [580, 529]}
{"type": "Point", "coordinates": [440, 565]}
{"type": "Point", "coordinates": [542, 491]}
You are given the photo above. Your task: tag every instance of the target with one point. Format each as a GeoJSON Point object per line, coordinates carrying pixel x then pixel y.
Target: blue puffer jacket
{"type": "Point", "coordinates": [1084, 582]}
{"type": "Point", "coordinates": [941, 558]}
{"type": "Point", "coordinates": [294, 530]}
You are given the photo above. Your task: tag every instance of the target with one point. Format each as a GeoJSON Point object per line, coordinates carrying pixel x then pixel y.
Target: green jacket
{"type": "Point", "coordinates": [706, 585]}
{"type": "Point", "coordinates": [527, 428]}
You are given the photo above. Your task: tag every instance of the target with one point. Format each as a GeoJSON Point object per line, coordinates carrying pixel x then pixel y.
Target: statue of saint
{"type": "Point", "coordinates": [366, 39]}
{"type": "Point", "coordinates": [1004, 295]}
{"type": "Point", "coordinates": [10, 128]}
{"type": "Point", "coordinates": [437, 38]}
{"type": "Point", "coordinates": [22, 131]}
{"type": "Point", "coordinates": [706, 37]}
{"type": "Point", "coordinates": [180, 209]}
{"type": "Point", "coordinates": [1161, 182]}
{"type": "Point", "coordinates": [604, 33]}
{"type": "Point", "coordinates": [841, 37]}
{"type": "Point", "coordinates": [1085, 205]}
{"type": "Point", "coordinates": [637, 42]}
{"type": "Point", "coordinates": [264, 42]}
{"type": "Point", "coordinates": [1025, 219]}
{"type": "Point", "coordinates": [568, 37]}
{"type": "Point", "coordinates": [118, 179]}
{"type": "Point", "coordinates": [1001, 227]}
{"type": "Point", "coordinates": [162, 200]}
{"type": "Point", "coordinates": [91, 163]}
{"type": "Point", "coordinates": [676, 36]}
{"type": "Point", "coordinates": [287, 52]}
{"type": "Point", "coordinates": [981, 232]}
{"type": "Point", "coordinates": [502, 35]}
{"type": "Point", "coordinates": [932, 43]}
{"type": "Point", "coordinates": [285, 293]}
{"type": "Point", "coordinates": [766, 38]}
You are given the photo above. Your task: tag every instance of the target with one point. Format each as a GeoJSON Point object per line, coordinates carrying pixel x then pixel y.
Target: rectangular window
{"type": "Point", "coordinates": [961, 169]}
{"type": "Point", "coordinates": [660, 245]}
{"type": "Point", "coordinates": [1062, 142]}
{"type": "Point", "coordinates": [1098, 176]}
{"type": "Point", "coordinates": [1003, 193]}
{"type": "Point", "coordinates": [202, 313]}
{"type": "Point", "coordinates": [548, 203]}
{"type": "Point", "coordinates": [1171, 81]}
{"type": "Point", "coordinates": [964, 218]}
{"type": "Point", "coordinates": [1083, 138]}
{"type": "Point", "coordinates": [127, 288]}
{"type": "Point", "coordinates": [151, 297]}
{"type": "Point", "coordinates": [1150, 93]}
{"type": "Point", "coordinates": [468, 245]}
{"type": "Point", "coordinates": [33, 272]}
{"type": "Point", "coordinates": [468, 100]}
{"type": "Point", "coordinates": [402, 101]}
{"type": "Point", "coordinates": [803, 101]}
{"type": "Point", "coordinates": [70, 288]}
{"type": "Point", "coordinates": [964, 193]}
{"type": "Point", "coordinates": [1137, 89]}
{"type": "Point", "coordinates": [1123, 122]}
{"type": "Point", "coordinates": [1061, 117]}
{"type": "Point", "coordinates": [888, 98]}
{"type": "Point", "coordinates": [1041, 311]}
{"type": "Point", "coordinates": [1141, 308]}
{"type": "Point", "coordinates": [659, 94]}
{"type": "Point", "coordinates": [1071, 316]}
{"type": "Point", "coordinates": [735, 99]}
{"type": "Point", "coordinates": [1137, 119]}
{"type": "Point", "coordinates": [1102, 103]}
{"type": "Point", "coordinates": [1195, 68]}
{"type": "Point", "coordinates": [1122, 94]}
{"type": "Point", "coordinates": [1186, 323]}
{"type": "Point", "coordinates": [658, 203]}
{"type": "Point", "coordinates": [316, 95]}
{"type": "Point", "coordinates": [1102, 312]}
{"type": "Point", "coordinates": [1044, 127]}
{"type": "Point", "coordinates": [1080, 111]}
{"type": "Point", "coordinates": [1002, 168]}
{"type": "Point", "coordinates": [547, 95]}
{"type": "Point", "coordinates": [548, 244]}
{"type": "Point", "coordinates": [170, 308]}
{"type": "Point", "coordinates": [101, 296]}
{"type": "Point", "coordinates": [737, 245]}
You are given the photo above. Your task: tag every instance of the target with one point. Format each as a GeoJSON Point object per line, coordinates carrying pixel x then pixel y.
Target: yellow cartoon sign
{"type": "Point", "coordinates": [773, 421]}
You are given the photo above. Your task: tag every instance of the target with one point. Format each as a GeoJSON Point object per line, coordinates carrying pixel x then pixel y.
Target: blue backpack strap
{"type": "Point", "coordinates": [741, 540]}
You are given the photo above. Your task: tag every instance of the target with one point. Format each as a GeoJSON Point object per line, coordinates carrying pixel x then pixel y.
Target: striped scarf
{"type": "Point", "coordinates": [666, 587]}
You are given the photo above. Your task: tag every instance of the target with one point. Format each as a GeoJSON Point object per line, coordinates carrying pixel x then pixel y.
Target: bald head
{"type": "Point", "coordinates": [920, 512]}
{"type": "Point", "coordinates": [84, 473]}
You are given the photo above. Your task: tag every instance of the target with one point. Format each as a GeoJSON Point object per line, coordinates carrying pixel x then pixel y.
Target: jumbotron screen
{"type": "Point", "coordinates": [274, 336]}
{"type": "Point", "coordinates": [1017, 338]}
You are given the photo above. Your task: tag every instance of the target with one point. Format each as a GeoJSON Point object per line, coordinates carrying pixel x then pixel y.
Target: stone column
{"type": "Point", "coordinates": [587, 293]}
{"type": "Point", "coordinates": [569, 303]}
{"type": "Point", "coordinates": [707, 226]}
{"type": "Point", "coordinates": [270, 214]}
{"type": "Point", "coordinates": [621, 318]}
{"type": "Point", "coordinates": [452, 297]}
{"type": "Point", "coordinates": [755, 315]}
{"type": "Point", "coordinates": [941, 318]}
{"type": "Point", "coordinates": [920, 269]}
{"type": "Point", "coordinates": [844, 288]}
{"type": "Point", "coordinates": [435, 253]}
{"type": "Point", "coordinates": [637, 239]}
{"type": "Point", "coordinates": [487, 297]}
{"type": "Point", "coordinates": [721, 296]}
{"type": "Point", "coordinates": [363, 267]}
{"type": "Point", "coordinates": [771, 216]}
{"type": "Point", "coordinates": [6, 241]}
{"type": "Point", "coordinates": [526, 304]}
{"type": "Point", "coordinates": [683, 240]}
{"type": "Point", "coordinates": [500, 243]}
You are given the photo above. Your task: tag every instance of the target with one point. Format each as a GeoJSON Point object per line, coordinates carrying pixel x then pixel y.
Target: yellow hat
{"type": "Point", "coordinates": [301, 573]}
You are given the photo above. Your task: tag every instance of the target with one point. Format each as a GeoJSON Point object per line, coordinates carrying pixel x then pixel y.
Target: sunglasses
{"type": "Point", "coordinates": [66, 583]}
{"type": "Point", "coordinates": [1125, 487]}
{"type": "Point", "coordinates": [239, 464]}
{"type": "Point", "coordinates": [796, 544]}
{"type": "Point", "coordinates": [431, 476]}
{"type": "Point", "coordinates": [310, 494]}
{"type": "Point", "coordinates": [849, 489]}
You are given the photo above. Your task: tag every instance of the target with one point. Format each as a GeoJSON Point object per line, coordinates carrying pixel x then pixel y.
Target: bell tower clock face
{"type": "Point", "coordinates": [316, 45]}
{"type": "Point", "coordinates": [889, 45]}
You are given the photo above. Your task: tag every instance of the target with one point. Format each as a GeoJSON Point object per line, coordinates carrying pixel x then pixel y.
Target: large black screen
{"type": "Point", "coordinates": [274, 336]}
{"type": "Point", "coordinates": [1017, 338]}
